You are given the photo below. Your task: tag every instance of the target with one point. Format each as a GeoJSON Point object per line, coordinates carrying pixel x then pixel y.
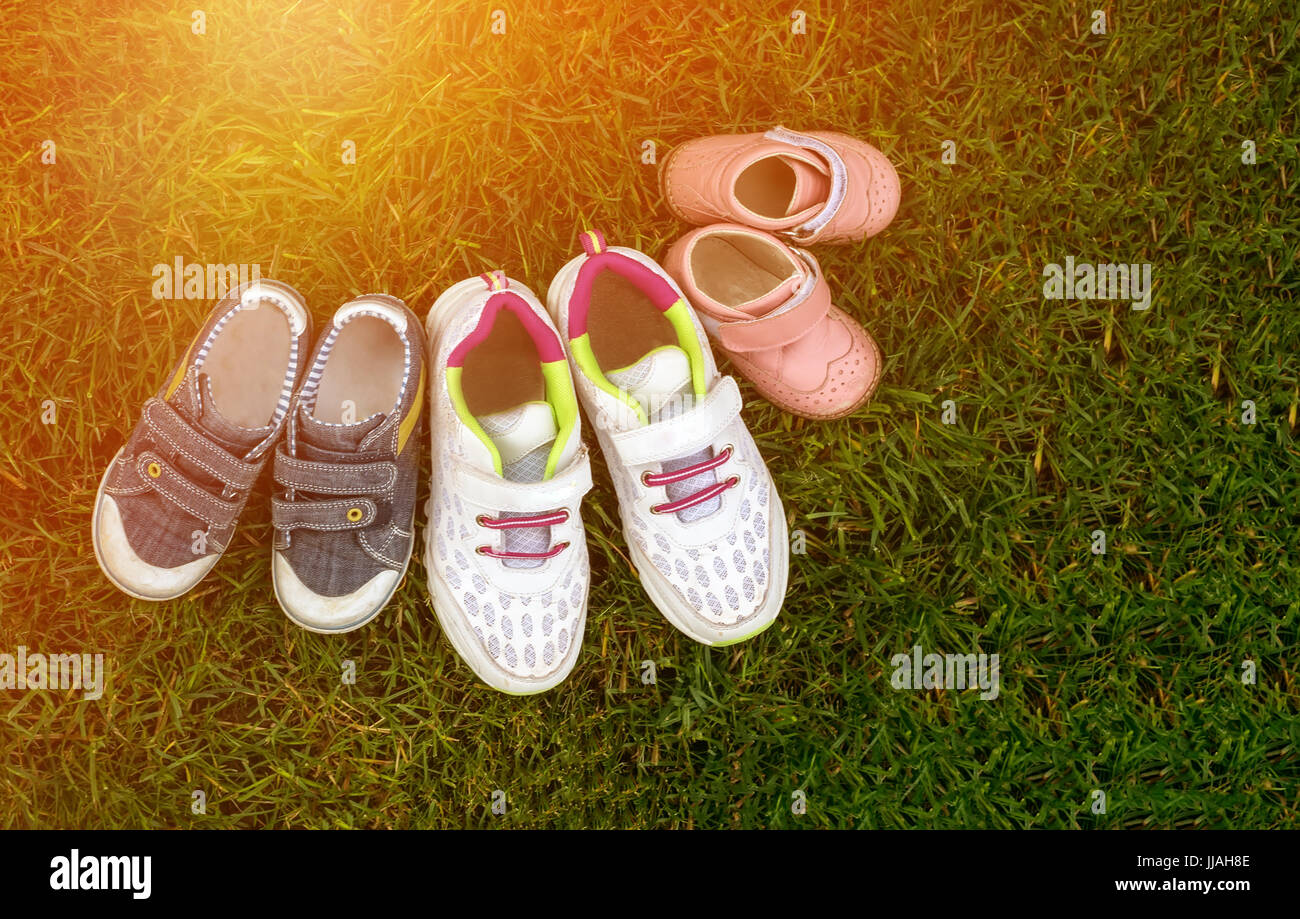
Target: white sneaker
{"type": "Point", "coordinates": [504, 547]}
{"type": "Point", "coordinates": [700, 514]}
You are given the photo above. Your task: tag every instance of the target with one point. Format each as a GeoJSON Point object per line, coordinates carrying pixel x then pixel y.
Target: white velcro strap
{"type": "Point", "coordinates": [809, 229]}
{"type": "Point", "coordinates": [687, 433]}
{"type": "Point", "coordinates": [487, 490]}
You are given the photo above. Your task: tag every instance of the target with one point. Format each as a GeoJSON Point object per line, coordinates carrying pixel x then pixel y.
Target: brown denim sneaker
{"type": "Point", "coordinates": [344, 509]}
{"type": "Point", "coordinates": [168, 503]}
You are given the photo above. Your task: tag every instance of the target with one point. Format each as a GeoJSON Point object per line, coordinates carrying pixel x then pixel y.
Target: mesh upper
{"type": "Point", "coordinates": [725, 581]}
{"type": "Point", "coordinates": [528, 635]}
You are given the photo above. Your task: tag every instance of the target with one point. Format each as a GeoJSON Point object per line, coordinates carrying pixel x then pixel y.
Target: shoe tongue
{"type": "Point", "coordinates": [524, 436]}
{"type": "Point", "coordinates": [203, 414]}
{"type": "Point", "coordinates": [319, 437]}
{"type": "Point", "coordinates": [660, 381]}
{"type": "Point", "coordinates": [812, 185]}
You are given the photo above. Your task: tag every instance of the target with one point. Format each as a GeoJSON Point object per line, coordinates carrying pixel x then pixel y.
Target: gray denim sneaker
{"type": "Point", "coordinates": [344, 508]}
{"type": "Point", "coordinates": [169, 500]}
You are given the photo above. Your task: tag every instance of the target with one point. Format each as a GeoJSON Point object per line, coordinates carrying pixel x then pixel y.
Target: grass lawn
{"type": "Point", "coordinates": [1125, 673]}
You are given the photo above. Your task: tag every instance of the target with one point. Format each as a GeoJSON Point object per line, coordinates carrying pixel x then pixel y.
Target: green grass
{"type": "Point", "coordinates": [475, 151]}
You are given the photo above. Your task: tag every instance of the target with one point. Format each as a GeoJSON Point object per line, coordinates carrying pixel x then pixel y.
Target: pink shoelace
{"type": "Point", "coordinates": [551, 518]}
{"type": "Point", "coordinates": [655, 479]}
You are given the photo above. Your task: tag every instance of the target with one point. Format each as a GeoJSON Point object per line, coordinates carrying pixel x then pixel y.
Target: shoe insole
{"type": "Point", "coordinates": [766, 187]}
{"type": "Point", "coordinates": [732, 271]}
{"type": "Point", "coordinates": [363, 372]}
{"type": "Point", "coordinates": [503, 370]}
{"type": "Point", "coordinates": [246, 365]}
{"type": "Point", "coordinates": [622, 322]}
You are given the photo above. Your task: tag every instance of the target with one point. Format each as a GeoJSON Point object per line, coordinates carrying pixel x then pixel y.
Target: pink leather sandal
{"type": "Point", "coordinates": [814, 187]}
{"type": "Point", "coordinates": [767, 307]}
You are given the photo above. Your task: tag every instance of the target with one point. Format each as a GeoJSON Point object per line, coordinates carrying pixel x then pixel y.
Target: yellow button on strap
{"type": "Point", "coordinates": [354, 514]}
{"type": "Point", "coordinates": [154, 470]}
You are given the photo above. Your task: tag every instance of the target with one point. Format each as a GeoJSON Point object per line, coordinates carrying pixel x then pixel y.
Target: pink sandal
{"type": "Point", "coordinates": [819, 186]}
{"type": "Point", "coordinates": [768, 308]}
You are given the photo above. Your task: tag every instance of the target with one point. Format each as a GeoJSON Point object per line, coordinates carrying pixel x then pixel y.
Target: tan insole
{"type": "Point", "coordinates": [766, 187]}
{"type": "Point", "coordinates": [503, 370]}
{"type": "Point", "coordinates": [364, 368]}
{"type": "Point", "coordinates": [246, 365]}
{"type": "Point", "coordinates": [727, 274]}
{"type": "Point", "coordinates": [623, 324]}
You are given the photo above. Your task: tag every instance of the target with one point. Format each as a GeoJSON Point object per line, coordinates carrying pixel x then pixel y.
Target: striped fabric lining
{"type": "Point", "coordinates": [286, 398]}
{"type": "Point", "coordinates": [290, 373]}
{"type": "Point", "coordinates": [307, 397]}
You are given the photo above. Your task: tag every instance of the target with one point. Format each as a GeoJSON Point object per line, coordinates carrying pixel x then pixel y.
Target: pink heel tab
{"type": "Point", "coordinates": [599, 258]}
{"type": "Point", "coordinates": [549, 347]}
{"type": "Point", "coordinates": [593, 241]}
{"type": "Point", "coordinates": [495, 280]}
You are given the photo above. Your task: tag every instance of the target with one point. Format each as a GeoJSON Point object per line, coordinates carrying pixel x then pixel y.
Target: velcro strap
{"type": "Point", "coordinates": [485, 489]}
{"type": "Point", "coordinates": [171, 429]}
{"type": "Point", "coordinates": [780, 327]}
{"type": "Point", "coordinates": [687, 433]}
{"type": "Point", "coordinates": [216, 512]}
{"type": "Point", "coordinates": [322, 515]}
{"type": "Point", "coordinates": [334, 478]}
{"type": "Point", "coordinates": [808, 231]}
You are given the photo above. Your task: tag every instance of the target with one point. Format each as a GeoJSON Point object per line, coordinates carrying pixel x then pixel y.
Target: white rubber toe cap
{"type": "Point", "coordinates": [132, 574]}
{"type": "Point", "coordinates": [330, 614]}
